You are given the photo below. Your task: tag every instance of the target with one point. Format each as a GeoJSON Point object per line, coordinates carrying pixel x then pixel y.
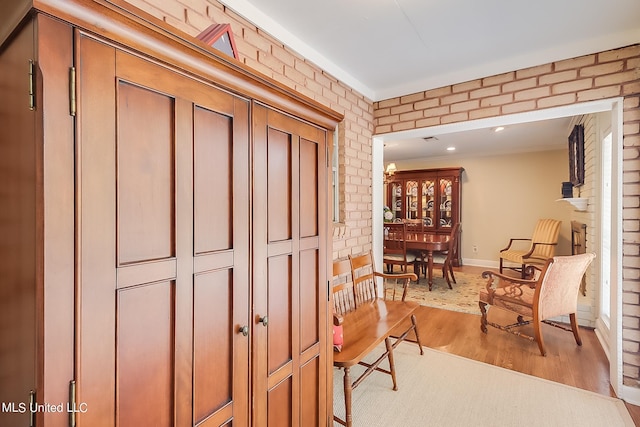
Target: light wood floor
{"type": "Point", "coordinates": [585, 367]}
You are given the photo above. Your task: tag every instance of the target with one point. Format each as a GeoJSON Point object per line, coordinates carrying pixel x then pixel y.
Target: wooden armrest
{"type": "Point", "coordinates": [511, 242]}
{"type": "Point", "coordinates": [505, 281]}
{"type": "Point", "coordinates": [410, 276]}
{"type": "Point", "coordinates": [337, 319]}
{"type": "Point", "coordinates": [533, 248]}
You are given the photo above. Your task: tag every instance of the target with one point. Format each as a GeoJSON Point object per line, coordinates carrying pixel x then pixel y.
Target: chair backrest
{"type": "Point", "coordinates": [395, 244]}
{"type": "Point", "coordinates": [343, 295]}
{"type": "Point", "coordinates": [557, 292]}
{"type": "Point", "coordinates": [363, 274]}
{"type": "Point", "coordinates": [546, 231]}
{"type": "Point", "coordinates": [414, 228]}
{"type": "Point", "coordinates": [453, 242]}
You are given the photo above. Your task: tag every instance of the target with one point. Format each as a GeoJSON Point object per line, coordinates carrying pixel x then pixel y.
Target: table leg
{"type": "Point", "coordinates": [430, 267]}
{"type": "Point", "coordinates": [347, 398]}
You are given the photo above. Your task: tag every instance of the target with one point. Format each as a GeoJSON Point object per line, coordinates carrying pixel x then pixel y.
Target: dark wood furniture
{"type": "Point", "coordinates": [579, 246]}
{"type": "Point", "coordinates": [394, 248]}
{"type": "Point", "coordinates": [551, 293]}
{"type": "Point", "coordinates": [451, 255]}
{"type": "Point", "coordinates": [427, 244]}
{"type": "Point", "coordinates": [165, 227]}
{"type": "Point", "coordinates": [432, 195]}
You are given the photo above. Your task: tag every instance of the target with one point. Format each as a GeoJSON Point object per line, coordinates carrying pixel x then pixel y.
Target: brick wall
{"type": "Point", "coordinates": [270, 57]}
{"type": "Point", "coordinates": [603, 75]}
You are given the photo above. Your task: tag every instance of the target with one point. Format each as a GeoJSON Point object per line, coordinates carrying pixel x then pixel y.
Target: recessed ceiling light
{"type": "Point", "coordinates": [499, 128]}
{"type": "Point", "coordinates": [451, 148]}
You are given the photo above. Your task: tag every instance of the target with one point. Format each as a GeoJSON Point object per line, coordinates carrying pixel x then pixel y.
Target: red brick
{"type": "Point", "coordinates": [534, 93]}
{"type": "Point", "coordinates": [496, 100]}
{"type": "Point", "coordinates": [484, 92]}
{"type": "Point", "coordinates": [499, 79]}
{"type": "Point", "coordinates": [451, 99]}
{"type": "Point", "coordinates": [562, 76]}
{"type": "Point", "coordinates": [518, 107]}
{"type": "Point", "coordinates": [412, 98]}
{"type": "Point", "coordinates": [613, 79]}
{"type": "Point", "coordinates": [484, 112]}
{"type": "Point", "coordinates": [467, 86]}
{"type": "Point", "coordinates": [601, 93]}
{"type": "Point", "coordinates": [454, 118]}
{"type": "Point", "coordinates": [519, 85]}
{"type": "Point", "coordinates": [573, 86]}
{"type": "Point", "coordinates": [554, 101]}
{"type": "Point", "coordinates": [429, 103]}
{"type": "Point", "coordinates": [534, 71]}
{"type": "Point", "coordinates": [601, 69]}
{"type": "Point", "coordinates": [465, 106]}
{"type": "Point", "coordinates": [626, 52]}
{"type": "Point", "coordinates": [579, 62]}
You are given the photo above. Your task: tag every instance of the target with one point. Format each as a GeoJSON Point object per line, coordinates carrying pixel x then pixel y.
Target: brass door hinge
{"type": "Point", "coordinates": [32, 405]}
{"type": "Point", "coordinates": [72, 91]}
{"type": "Point", "coordinates": [72, 403]}
{"type": "Point", "coordinates": [32, 85]}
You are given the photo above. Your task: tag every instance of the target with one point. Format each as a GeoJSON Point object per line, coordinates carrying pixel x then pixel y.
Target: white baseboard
{"type": "Point", "coordinates": [630, 395]}
{"type": "Point", "coordinates": [480, 263]}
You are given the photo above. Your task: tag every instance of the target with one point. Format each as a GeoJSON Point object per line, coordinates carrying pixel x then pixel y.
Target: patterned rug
{"type": "Point", "coordinates": [463, 297]}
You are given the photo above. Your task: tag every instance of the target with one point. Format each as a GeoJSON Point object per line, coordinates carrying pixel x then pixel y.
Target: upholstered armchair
{"type": "Point", "coordinates": [541, 247]}
{"type": "Point", "coordinates": [552, 292]}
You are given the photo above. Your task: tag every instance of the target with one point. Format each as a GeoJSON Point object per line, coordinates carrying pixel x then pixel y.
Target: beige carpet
{"type": "Point", "coordinates": [463, 297]}
{"type": "Point", "coordinates": [440, 389]}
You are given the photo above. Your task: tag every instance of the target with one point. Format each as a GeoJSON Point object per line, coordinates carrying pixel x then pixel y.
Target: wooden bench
{"type": "Point", "coordinates": [367, 321]}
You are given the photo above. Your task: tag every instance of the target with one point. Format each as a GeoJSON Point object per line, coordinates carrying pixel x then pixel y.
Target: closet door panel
{"type": "Point", "coordinates": [213, 344]}
{"type": "Point", "coordinates": [309, 299]}
{"type": "Point", "coordinates": [308, 188]}
{"type": "Point", "coordinates": [213, 166]}
{"type": "Point", "coordinates": [161, 157]}
{"type": "Point", "coordinates": [289, 287]}
{"type": "Point", "coordinates": [279, 185]}
{"type": "Point", "coordinates": [145, 330]}
{"type": "Point", "coordinates": [145, 169]}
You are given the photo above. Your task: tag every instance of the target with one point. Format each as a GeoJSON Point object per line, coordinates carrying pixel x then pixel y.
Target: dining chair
{"type": "Point", "coordinates": [542, 246]}
{"type": "Point", "coordinates": [395, 247]}
{"type": "Point", "coordinates": [551, 293]}
{"type": "Point", "coordinates": [451, 254]}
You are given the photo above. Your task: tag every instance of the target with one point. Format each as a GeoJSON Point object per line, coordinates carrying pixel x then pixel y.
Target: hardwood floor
{"type": "Point", "coordinates": [585, 367]}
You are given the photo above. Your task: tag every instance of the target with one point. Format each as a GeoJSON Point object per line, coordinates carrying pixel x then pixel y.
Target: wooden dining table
{"type": "Point", "coordinates": [427, 244]}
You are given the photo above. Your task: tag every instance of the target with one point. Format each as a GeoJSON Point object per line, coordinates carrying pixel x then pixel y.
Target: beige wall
{"type": "Point", "coordinates": [503, 197]}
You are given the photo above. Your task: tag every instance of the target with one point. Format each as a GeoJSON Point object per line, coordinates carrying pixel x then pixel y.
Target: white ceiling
{"type": "Point", "coordinates": [389, 48]}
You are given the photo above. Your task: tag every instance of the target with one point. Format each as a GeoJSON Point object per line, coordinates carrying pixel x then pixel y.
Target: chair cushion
{"type": "Point", "coordinates": [514, 298]}
{"type": "Point", "coordinates": [338, 338]}
{"type": "Point", "coordinates": [399, 258]}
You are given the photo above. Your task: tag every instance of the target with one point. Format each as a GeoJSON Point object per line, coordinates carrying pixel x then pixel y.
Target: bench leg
{"type": "Point", "coordinates": [347, 398]}
{"type": "Point", "coordinates": [392, 366]}
{"type": "Point", "coordinates": [415, 331]}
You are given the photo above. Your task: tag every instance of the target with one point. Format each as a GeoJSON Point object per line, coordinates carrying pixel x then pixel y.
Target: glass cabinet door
{"type": "Point", "coordinates": [427, 202]}
{"type": "Point", "coordinates": [396, 199]}
{"type": "Point", "coordinates": [446, 203]}
{"type": "Point", "coordinates": [411, 197]}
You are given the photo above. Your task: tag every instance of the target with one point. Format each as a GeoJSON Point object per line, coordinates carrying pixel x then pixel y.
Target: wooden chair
{"type": "Point", "coordinates": [551, 293]}
{"type": "Point", "coordinates": [542, 247]}
{"type": "Point", "coordinates": [364, 277]}
{"type": "Point", "coordinates": [451, 254]}
{"type": "Point", "coordinates": [579, 246]}
{"type": "Point", "coordinates": [395, 247]}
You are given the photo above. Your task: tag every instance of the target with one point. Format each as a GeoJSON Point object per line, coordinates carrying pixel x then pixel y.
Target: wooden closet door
{"type": "Point", "coordinates": [163, 246]}
{"type": "Point", "coordinates": [289, 276]}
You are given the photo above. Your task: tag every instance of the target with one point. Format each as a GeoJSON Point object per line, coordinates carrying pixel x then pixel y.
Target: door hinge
{"type": "Point", "coordinates": [72, 91]}
{"type": "Point", "coordinates": [72, 403]}
{"type": "Point", "coordinates": [32, 85]}
{"type": "Point", "coordinates": [32, 406]}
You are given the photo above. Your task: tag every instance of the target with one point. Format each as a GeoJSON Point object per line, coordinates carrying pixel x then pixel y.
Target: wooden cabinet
{"type": "Point", "coordinates": [432, 195]}
{"type": "Point", "coordinates": [166, 220]}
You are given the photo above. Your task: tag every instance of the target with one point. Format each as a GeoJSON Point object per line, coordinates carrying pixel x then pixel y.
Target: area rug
{"type": "Point", "coordinates": [463, 297]}
{"type": "Point", "coordinates": [441, 389]}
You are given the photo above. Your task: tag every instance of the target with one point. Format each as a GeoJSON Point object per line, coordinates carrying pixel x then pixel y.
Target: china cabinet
{"type": "Point", "coordinates": [165, 227]}
{"type": "Point", "coordinates": [430, 195]}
